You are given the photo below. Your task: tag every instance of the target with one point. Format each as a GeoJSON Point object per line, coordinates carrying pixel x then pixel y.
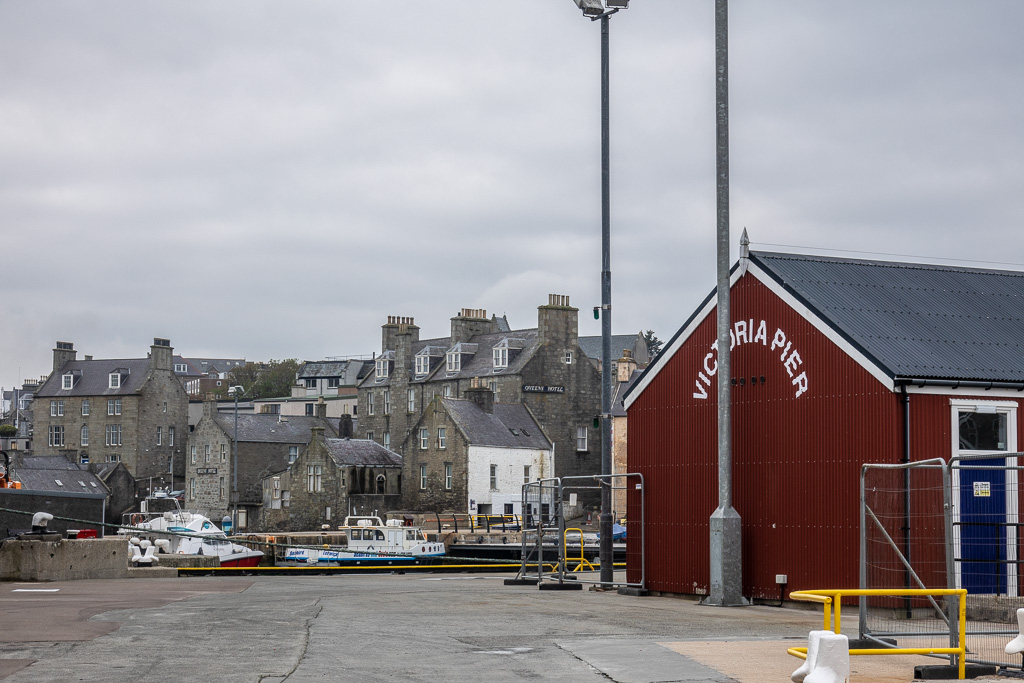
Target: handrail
{"type": "Point", "coordinates": [833, 618]}
{"type": "Point", "coordinates": [565, 551]}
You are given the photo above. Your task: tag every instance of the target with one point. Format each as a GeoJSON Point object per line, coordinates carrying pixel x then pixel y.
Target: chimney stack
{"type": "Point", "coordinates": [161, 354]}
{"type": "Point", "coordinates": [63, 352]}
{"type": "Point", "coordinates": [480, 395]}
{"type": "Point", "coordinates": [626, 366]}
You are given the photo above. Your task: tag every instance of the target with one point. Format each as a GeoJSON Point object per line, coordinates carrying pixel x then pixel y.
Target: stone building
{"type": "Point", "coordinates": [131, 410]}
{"type": "Point", "coordinates": [330, 479]}
{"type": "Point", "coordinates": [474, 454]}
{"type": "Point", "coordinates": [626, 373]}
{"type": "Point", "coordinates": [542, 368]}
{"type": "Point", "coordinates": [266, 444]}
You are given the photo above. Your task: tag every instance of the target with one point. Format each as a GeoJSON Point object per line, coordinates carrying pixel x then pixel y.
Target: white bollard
{"type": "Point", "coordinates": [812, 654]}
{"type": "Point", "coordinates": [833, 662]}
{"type": "Point", "coordinates": [1016, 645]}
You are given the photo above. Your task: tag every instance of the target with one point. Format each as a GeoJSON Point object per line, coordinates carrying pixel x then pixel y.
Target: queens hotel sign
{"type": "Point", "coordinates": [744, 332]}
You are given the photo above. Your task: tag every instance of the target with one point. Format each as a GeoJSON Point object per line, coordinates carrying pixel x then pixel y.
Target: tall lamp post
{"type": "Point", "coordinates": [595, 10]}
{"type": "Point", "coordinates": [235, 391]}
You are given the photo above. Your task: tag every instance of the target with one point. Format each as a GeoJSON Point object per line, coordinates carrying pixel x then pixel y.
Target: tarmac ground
{"type": "Point", "coordinates": [393, 627]}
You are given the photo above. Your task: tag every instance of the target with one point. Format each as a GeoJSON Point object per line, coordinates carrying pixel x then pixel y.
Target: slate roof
{"type": "Point", "coordinates": [361, 452]}
{"type": "Point", "coordinates": [348, 371]}
{"type": "Point", "coordinates": [205, 365]}
{"type": "Point", "coordinates": [619, 390]}
{"type": "Point", "coordinates": [510, 425]}
{"type": "Point", "coordinates": [914, 320]}
{"type": "Point", "coordinates": [268, 428]}
{"type": "Point", "coordinates": [93, 378]}
{"type": "Point", "coordinates": [591, 346]}
{"type": "Point", "coordinates": [57, 473]}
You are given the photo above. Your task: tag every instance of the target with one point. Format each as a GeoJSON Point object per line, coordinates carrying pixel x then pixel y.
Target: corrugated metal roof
{"type": "Point", "coordinates": [914, 320]}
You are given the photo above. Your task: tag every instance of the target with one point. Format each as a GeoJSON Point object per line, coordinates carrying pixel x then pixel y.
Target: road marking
{"type": "Point", "coordinates": [35, 590]}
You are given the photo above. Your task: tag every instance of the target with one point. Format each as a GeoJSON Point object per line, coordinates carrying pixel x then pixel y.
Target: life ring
{"type": "Point", "coordinates": [136, 519]}
{"type": "Point", "coordinates": [181, 552]}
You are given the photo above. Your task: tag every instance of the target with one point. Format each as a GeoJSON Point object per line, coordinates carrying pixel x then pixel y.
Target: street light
{"type": "Point", "coordinates": [594, 10]}
{"type": "Point", "coordinates": [235, 391]}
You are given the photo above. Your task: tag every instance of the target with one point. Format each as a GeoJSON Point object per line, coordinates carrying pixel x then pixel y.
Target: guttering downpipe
{"type": "Point", "coordinates": [905, 400]}
{"type": "Point", "coordinates": [904, 382]}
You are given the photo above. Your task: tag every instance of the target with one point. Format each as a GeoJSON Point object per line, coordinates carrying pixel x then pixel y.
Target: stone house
{"type": "Point", "coordinates": [542, 368]}
{"type": "Point", "coordinates": [331, 478]}
{"type": "Point", "coordinates": [626, 373]}
{"type": "Point", "coordinates": [132, 410]}
{"type": "Point", "coordinates": [472, 454]}
{"type": "Point", "coordinates": [266, 444]}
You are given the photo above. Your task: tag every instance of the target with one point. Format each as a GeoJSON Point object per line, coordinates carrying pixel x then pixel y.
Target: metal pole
{"type": "Point", "coordinates": [726, 558]}
{"type": "Point", "coordinates": [607, 568]}
{"type": "Point", "coordinates": [234, 473]}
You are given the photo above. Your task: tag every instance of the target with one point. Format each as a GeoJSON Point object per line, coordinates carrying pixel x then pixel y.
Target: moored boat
{"type": "Point", "coordinates": [189, 533]}
{"type": "Point", "coordinates": [368, 538]}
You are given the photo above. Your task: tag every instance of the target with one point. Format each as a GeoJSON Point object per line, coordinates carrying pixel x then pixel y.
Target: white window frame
{"type": "Point", "coordinates": [442, 438]}
{"type": "Point", "coordinates": [387, 440]}
{"type": "Point", "coordinates": [423, 477]}
{"type": "Point", "coordinates": [56, 435]}
{"type": "Point", "coordinates": [85, 406]}
{"type": "Point", "coordinates": [369, 403]}
{"type": "Point", "coordinates": [170, 435]}
{"type": "Point", "coordinates": [113, 406]}
{"type": "Point", "coordinates": [387, 402]}
{"type": "Point", "coordinates": [293, 454]}
{"type": "Point", "coordinates": [83, 435]}
{"type": "Point", "coordinates": [369, 435]}
{"type": "Point", "coordinates": [568, 357]}
{"type": "Point", "coordinates": [422, 365]}
{"type": "Point", "coordinates": [114, 380]}
{"type": "Point", "coordinates": [223, 452]}
{"type": "Point", "coordinates": [453, 361]}
{"type": "Point", "coordinates": [192, 488]}
{"type": "Point", "coordinates": [318, 484]}
{"type": "Point", "coordinates": [112, 435]}
{"type": "Point", "coordinates": [193, 454]}
{"type": "Point", "coordinates": [1009, 408]}
{"type": "Point", "coordinates": [411, 395]}
{"type": "Point", "coordinates": [207, 453]}
{"type": "Point", "coordinates": [494, 477]}
{"type": "Point", "coordinates": [448, 476]}
{"type": "Point", "coordinates": [500, 357]}
{"type": "Point", "coordinates": [581, 439]}
{"type": "Point", "coordinates": [159, 436]}
{"type": "Point", "coordinates": [526, 474]}
{"type": "Point", "coordinates": [447, 393]}
{"type": "Point", "coordinates": [381, 368]}
{"type": "Point", "coordinates": [424, 438]}
{"type": "Point", "coordinates": [67, 381]}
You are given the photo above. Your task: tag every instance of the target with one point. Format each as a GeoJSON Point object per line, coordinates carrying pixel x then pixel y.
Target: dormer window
{"type": "Point", "coordinates": [504, 351]}
{"type": "Point", "coordinates": [422, 365]}
{"type": "Point", "coordinates": [115, 380]}
{"type": "Point", "coordinates": [67, 381]}
{"type": "Point", "coordinates": [500, 357]}
{"type": "Point", "coordinates": [454, 361]}
{"type": "Point", "coordinates": [382, 368]}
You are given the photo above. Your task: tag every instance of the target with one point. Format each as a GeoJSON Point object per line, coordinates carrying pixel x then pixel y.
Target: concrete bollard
{"type": "Point", "coordinates": [832, 664]}
{"type": "Point", "coordinates": [1016, 645]}
{"type": "Point", "coordinates": [812, 654]}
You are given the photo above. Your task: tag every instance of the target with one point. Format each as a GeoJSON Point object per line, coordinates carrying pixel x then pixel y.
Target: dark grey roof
{"type": "Point", "coordinates": [93, 378]}
{"type": "Point", "coordinates": [619, 390]}
{"type": "Point", "coordinates": [591, 346]}
{"type": "Point", "coordinates": [496, 429]}
{"type": "Point", "coordinates": [501, 323]}
{"type": "Point", "coordinates": [205, 365]}
{"type": "Point", "coordinates": [267, 428]}
{"type": "Point", "coordinates": [47, 462]}
{"type": "Point", "coordinates": [481, 364]}
{"type": "Point", "coordinates": [349, 372]}
{"type": "Point", "coordinates": [361, 452]}
{"type": "Point", "coordinates": [72, 479]}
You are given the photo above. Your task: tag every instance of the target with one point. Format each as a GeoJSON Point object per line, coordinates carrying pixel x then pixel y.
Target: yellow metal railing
{"type": "Point", "coordinates": [828, 598]}
{"type": "Point", "coordinates": [565, 551]}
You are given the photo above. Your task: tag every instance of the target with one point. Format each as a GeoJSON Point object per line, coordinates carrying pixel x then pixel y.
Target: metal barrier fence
{"type": "Point", "coordinates": [936, 523]}
{"type": "Point", "coordinates": [544, 531]}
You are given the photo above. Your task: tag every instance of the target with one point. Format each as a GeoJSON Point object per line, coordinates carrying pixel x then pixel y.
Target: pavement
{"type": "Point", "coordinates": [393, 627]}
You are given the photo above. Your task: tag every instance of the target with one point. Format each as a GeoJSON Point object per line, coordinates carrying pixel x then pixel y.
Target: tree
{"type": "Point", "coordinates": [266, 380]}
{"type": "Point", "coordinates": [653, 343]}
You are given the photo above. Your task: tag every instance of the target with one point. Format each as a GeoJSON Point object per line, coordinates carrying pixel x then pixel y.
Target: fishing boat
{"type": "Point", "coordinates": [188, 533]}
{"type": "Point", "coordinates": [370, 538]}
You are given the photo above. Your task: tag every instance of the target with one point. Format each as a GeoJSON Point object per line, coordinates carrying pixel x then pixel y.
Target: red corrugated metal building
{"type": "Point", "coordinates": [830, 358]}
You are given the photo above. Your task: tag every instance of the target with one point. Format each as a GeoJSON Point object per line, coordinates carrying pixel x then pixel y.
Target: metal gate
{"type": "Point", "coordinates": [545, 549]}
{"type": "Point", "coordinates": [952, 524]}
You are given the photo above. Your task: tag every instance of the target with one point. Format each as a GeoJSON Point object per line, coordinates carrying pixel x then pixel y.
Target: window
{"type": "Point", "coordinates": [387, 440]}
{"type": "Point", "coordinates": [192, 488]}
{"type": "Point", "coordinates": [369, 436]}
{"type": "Point", "coordinates": [494, 477]}
{"type": "Point", "coordinates": [424, 438]}
{"type": "Point", "coordinates": [447, 476]}
{"type": "Point", "coordinates": [412, 400]}
{"type": "Point", "coordinates": [113, 435]}
{"type": "Point", "coordinates": [159, 436]}
{"type": "Point", "coordinates": [309, 409]}
{"type": "Point", "coordinates": [442, 441]}
{"type": "Point", "coordinates": [56, 435]}
{"type": "Point", "coordinates": [56, 408]}
{"type": "Point", "coordinates": [170, 465]}
{"type": "Point", "coordinates": [84, 439]}
{"type": "Point", "coordinates": [84, 460]}
{"type": "Point", "coordinates": [982, 431]}
{"type": "Point", "coordinates": [447, 390]}
{"type": "Point", "coordinates": [293, 454]}
{"type": "Point", "coordinates": [581, 438]}
{"type": "Point", "coordinates": [311, 383]}
{"type": "Point", "coordinates": [113, 406]}
{"type": "Point", "coordinates": [387, 402]}
{"type": "Point", "coordinates": [493, 386]}
{"type": "Point", "coordinates": [454, 361]}
{"type": "Point", "coordinates": [193, 454]}
{"type": "Point", "coordinates": [327, 513]}
{"type": "Point", "coordinates": [309, 477]}
{"type": "Point", "coordinates": [165, 406]}
{"type": "Point", "coordinates": [67, 381]}
{"type": "Point", "coordinates": [526, 474]}
{"type": "Point", "coordinates": [223, 452]}
{"type": "Point", "coordinates": [114, 381]}
{"type": "Point", "coordinates": [113, 458]}
{"type": "Point", "coordinates": [369, 403]}
{"type": "Point", "coordinates": [243, 518]}
{"type": "Point", "coordinates": [286, 498]}
{"type": "Point", "coordinates": [314, 482]}
{"type": "Point", "coordinates": [207, 452]}
{"type": "Point", "coordinates": [333, 382]}
{"type": "Point", "coordinates": [501, 357]}
{"type": "Point", "coordinates": [221, 488]}
{"type": "Point", "coordinates": [423, 477]}
{"type": "Point", "coordinates": [170, 436]}
{"type": "Point", "coordinates": [85, 406]}
{"type": "Point", "coordinates": [422, 365]}
{"type": "Point", "coordinates": [382, 368]}
{"type": "Point", "coordinates": [568, 357]}
{"type": "Point", "coordinates": [180, 367]}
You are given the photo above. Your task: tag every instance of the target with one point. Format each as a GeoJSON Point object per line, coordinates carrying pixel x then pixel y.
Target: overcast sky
{"type": "Point", "coordinates": [273, 179]}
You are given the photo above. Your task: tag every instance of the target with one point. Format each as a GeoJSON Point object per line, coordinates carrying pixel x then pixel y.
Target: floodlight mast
{"type": "Point", "coordinates": [602, 9]}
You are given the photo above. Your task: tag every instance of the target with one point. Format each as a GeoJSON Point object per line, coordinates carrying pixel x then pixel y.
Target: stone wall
{"type": "Point", "coordinates": [435, 496]}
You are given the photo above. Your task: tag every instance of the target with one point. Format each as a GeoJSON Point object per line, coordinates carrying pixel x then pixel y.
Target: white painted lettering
{"type": "Point", "coordinates": [741, 332]}
{"type": "Point", "coordinates": [790, 364]}
{"type": "Point", "coordinates": [704, 379]}
{"type": "Point", "coordinates": [779, 339]}
{"type": "Point", "coordinates": [800, 381]}
{"type": "Point", "coordinates": [762, 334]}
{"type": "Point", "coordinates": [710, 370]}
{"type": "Point", "coordinates": [701, 392]}
{"type": "Point", "coordinates": [785, 351]}
{"type": "Point", "coordinates": [732, 340]}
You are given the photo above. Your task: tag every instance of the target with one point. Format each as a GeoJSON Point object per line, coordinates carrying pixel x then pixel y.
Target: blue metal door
{"type": "Point", "coordinates": [983, 527]}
